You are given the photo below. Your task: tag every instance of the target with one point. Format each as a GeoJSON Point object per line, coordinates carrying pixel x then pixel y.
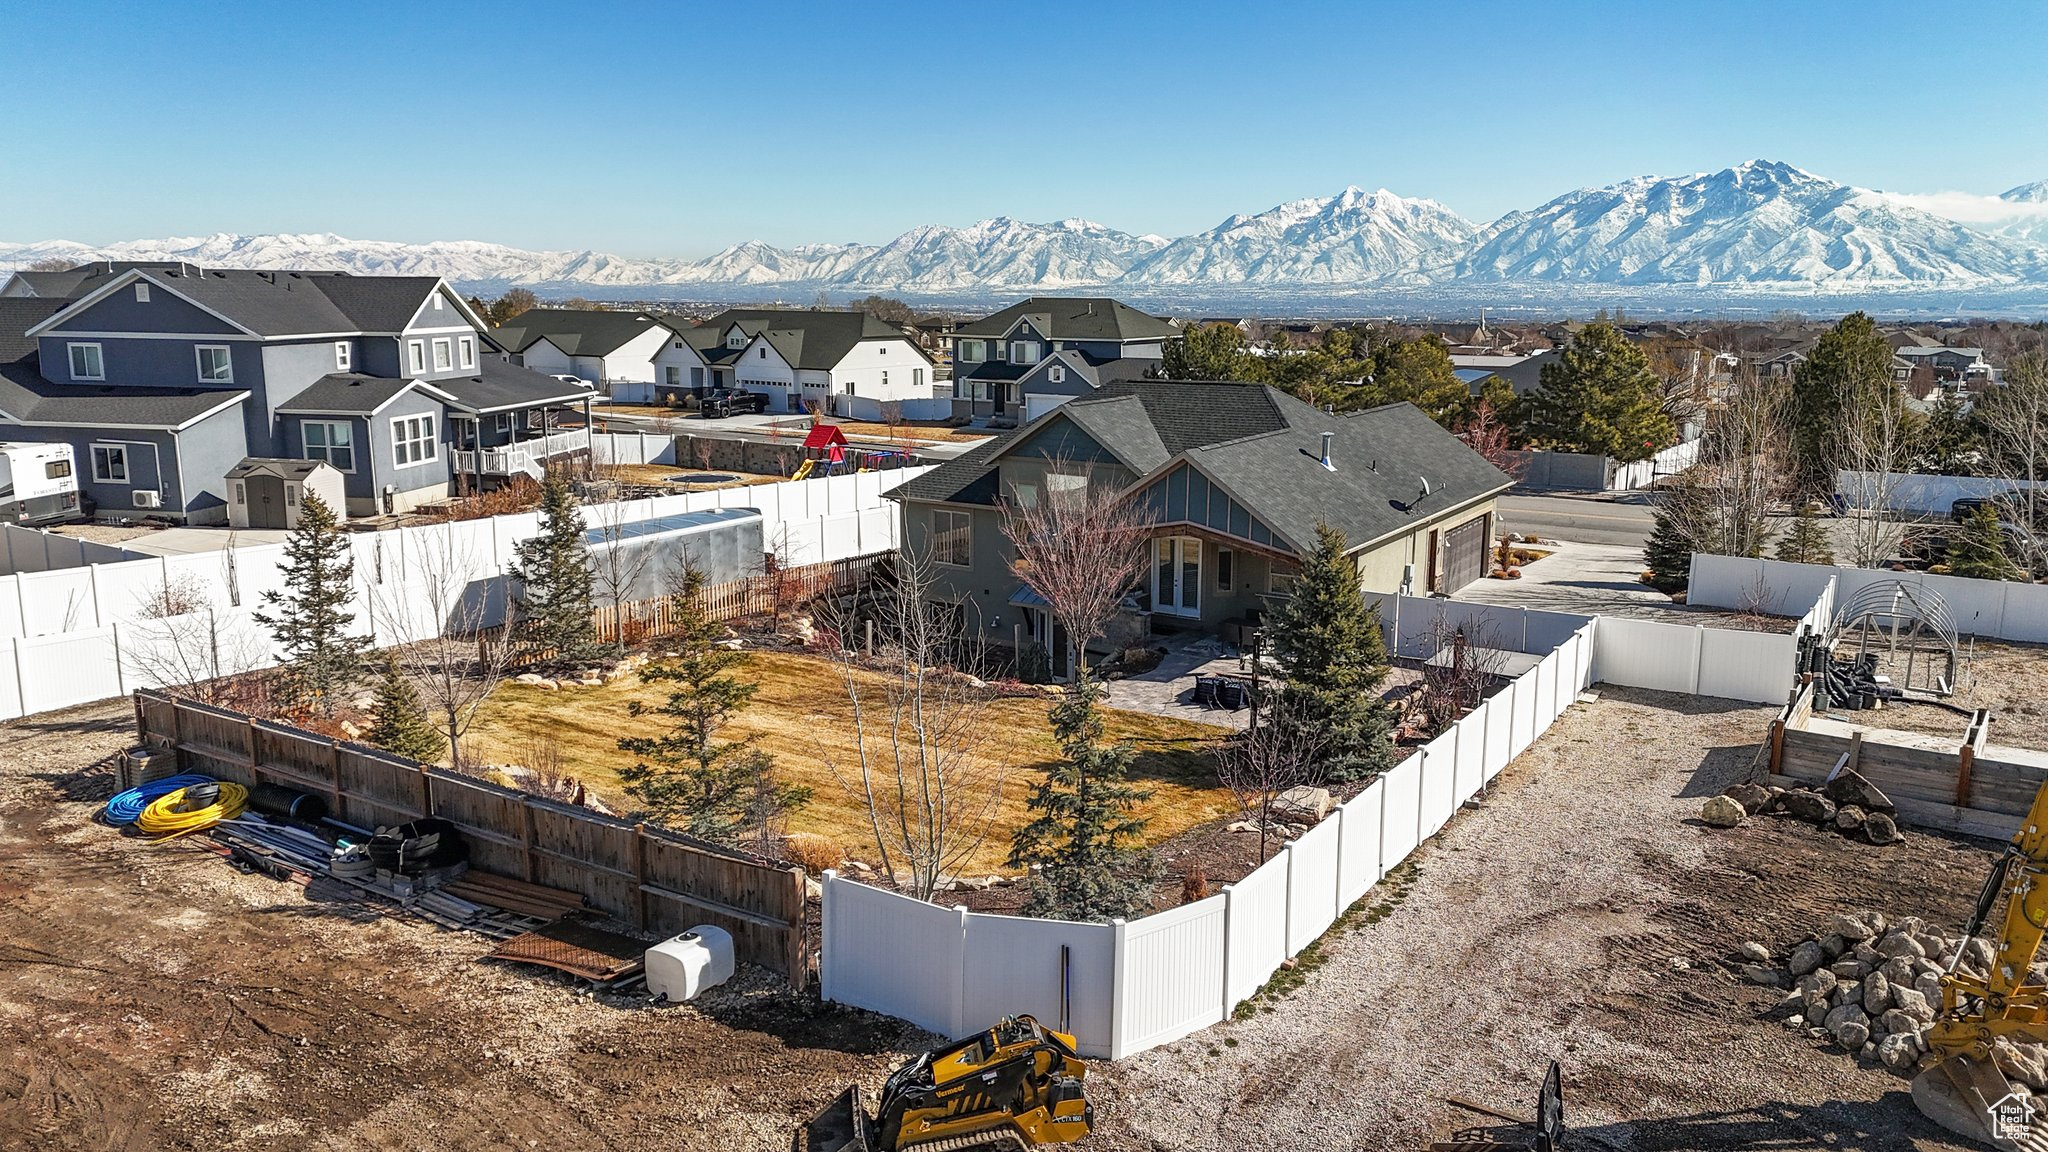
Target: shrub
{"type": "Point", "coordinates": [814, 853]}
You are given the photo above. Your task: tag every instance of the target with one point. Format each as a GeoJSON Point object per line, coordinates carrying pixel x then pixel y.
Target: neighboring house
{"type": "Point", "coordinates": [1523, 373]}
{"type": "Point", "coordinates": [1000, 360]}
{"type": "Point", "coordinates": [1945, 365]}
{"type": "Point", "coordinates": [695, 360]}
{"type": "Point", "coordinates": [840, 363]}
{"type": "Point", "coordinates": [1237, 475]}
{"type": "Point", "coordinates": [164, 378]}
{"type": "Point", "coordinates": [615, 352]}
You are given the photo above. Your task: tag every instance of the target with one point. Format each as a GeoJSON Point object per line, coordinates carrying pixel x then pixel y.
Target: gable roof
{"type": "Point", "coordinates": [280, 466]}
{"type": "Point", "coordinates": [1073, 318]}
{"type": "Point", "coordinates": [1263, 447]}
{"type": "Point", "coordinates": [27, 398]}
{"type": "Point", "coordinates": [279, 303]}
{"type": "Point", "coordinates": [353, 394]}
{"type": "Point", "coordinates": [576, 331]}
{"type": "Point", "coordinates": [811, 339]}
{"type": "Point", "coordinates": [502, 386]}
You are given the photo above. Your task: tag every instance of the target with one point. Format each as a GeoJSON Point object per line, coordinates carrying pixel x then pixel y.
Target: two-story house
{"type": "Point", "coordinates": [1235, 478]}
{"type": "Point", "coordinates": [846, 364]}
{"type": "Point", "coordinates": [613, 351]}
{"type": "Point", "coordinates": [165, 378]}
{"type": "Point", "coordinates": [1017, 364]}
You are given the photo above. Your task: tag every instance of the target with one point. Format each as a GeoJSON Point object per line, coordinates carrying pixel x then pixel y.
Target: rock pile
{"type": "Point", "coordinates": [1872, 986]}
{"type": "Point", "coordinates": [1849, 804]}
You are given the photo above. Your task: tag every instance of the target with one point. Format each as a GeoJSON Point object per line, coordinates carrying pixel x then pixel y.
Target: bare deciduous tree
{"type": "Point", "coordinates": [436, 620]}
{"type": "Point", "coordinates": [2014, 419]}
{"type": "Point", "coordinates": [1741, 470]}
{"type": "Point", "coordinates": [1262, 764]}
{"type": "Point", "coordinates": [1465, 661]}
{"type": "Point", "coordinates": [616, 569]}
{"type": "Point", "coordinates": [181, 644]}
{"type": "Point", "coordinates": [925, 765]}
{"type": "Point", "coordinates": [1080, 545]}
{"type": "Point", "coordinates": [1875, 442]}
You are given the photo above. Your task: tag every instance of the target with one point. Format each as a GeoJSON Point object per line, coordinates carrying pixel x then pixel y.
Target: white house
{"type": "Point", "coordinates": [614, 352]}
{"type": "Point", "coordinates": [844, 363]}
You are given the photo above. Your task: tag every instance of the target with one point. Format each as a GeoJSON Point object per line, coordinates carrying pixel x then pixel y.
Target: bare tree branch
{"type": "Point", "coordinates": [1080, 545]}
{"type": "Point", "coordinates": [436, 619]}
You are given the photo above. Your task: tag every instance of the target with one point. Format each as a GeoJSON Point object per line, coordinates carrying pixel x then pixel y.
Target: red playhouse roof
{"type": "Point", "coordinates": [824, 436]}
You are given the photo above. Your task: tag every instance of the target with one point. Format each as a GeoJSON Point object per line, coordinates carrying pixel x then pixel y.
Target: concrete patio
{"type": "Point", "coordinates": [1169, 689]}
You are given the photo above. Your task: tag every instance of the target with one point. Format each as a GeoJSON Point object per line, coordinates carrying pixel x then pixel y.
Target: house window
{"type": "Point", "coordinates": [917, 377]}
{"type": "Point", "coordinates": [416, 354]}
{"type": "Point", "coordinates": [110, 463]}
{"type": "Point", "coordinates": [444, 356]}
{"type": "Point", "coordinates": [1066, 489]}
{"type": "Point", "coordinates": [673, 376]}
{"type": "Point", "coordinates": [736, 339]}
{"type": "Point", "coordinates": [1278, 582]}
{"type": "Point", "coordinates": [952, 537]}
{"type": "Point", "coordinates": [142, 293]}
{"type": "Point", "coordinates": [1024, 352]}
{"type": "Point", "coordinates": [760, 353]}
{"type": "Point", "coordinates": [412, 440]}
{"type": "Point", "coordinates": [86, 363]}
{"type": "Point", "coordinates": [215, 366]}
{"type": "Point", "coordinates": [974, 350]}
{"type": "Point", "coordinates": [330, 440]}
{"type": "Point", "coordinates": [885, 380]}
{"type": "Point", "coordinates": [341, 355]}
{"type": "Point", "coordinates": [1225, 568]}
{"type": "Point", "coordinates": [502, 422]}
{"type": "Point", "coordinates": [1057, 374]}
{"type": "Point", "coordinates": [468, 348]}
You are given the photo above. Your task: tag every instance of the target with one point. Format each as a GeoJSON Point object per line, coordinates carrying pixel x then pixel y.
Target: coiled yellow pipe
{"type": "Point", "coordinates": [162, 818]}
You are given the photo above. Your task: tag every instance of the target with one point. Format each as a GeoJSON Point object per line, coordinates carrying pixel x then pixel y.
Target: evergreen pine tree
{"type": "Point", "coordinates": [402, 724]}
{"type": "Point", "coordinates": [554, 577]}
{"type": "Point", "coordinates": [1329, 644]}
{"type": "Point", "coordinates": [1085, 838]}
{"type": "Point", "coordinates": [1851, 362]}
{"type": "Point", "coordinates": [1976, 548]}
{"type": "Point", "coordinates": [310, 615]}
{"type": "Point", "coordinates": [1600, 396]}
{"type": "Point", "coordinates": [687, 777]}
{"type": "Point", "coordinates": [1806, 541]}
{"type": "Point", "coordinates": [1669, 550]}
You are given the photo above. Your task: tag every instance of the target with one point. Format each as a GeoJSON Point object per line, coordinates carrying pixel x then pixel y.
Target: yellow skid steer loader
{"type": "Point", "coordinates": [1015, 1086]}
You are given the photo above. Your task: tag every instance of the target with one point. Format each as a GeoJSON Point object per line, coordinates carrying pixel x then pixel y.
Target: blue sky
{"type": "Point", "coordinates": [675, 129]}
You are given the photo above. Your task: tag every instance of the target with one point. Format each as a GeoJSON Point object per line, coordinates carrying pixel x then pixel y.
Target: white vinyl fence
{"type": "Point", "coordinates": [71, 635]}
{"type": "Point", "coordinates": [1643, 473]}
{"type": "Point", "coordinates": [632, 448]}
{"type": "Point", "coordinates": [1916, 494]}
{"type": "Point", "coordinates": [1126, 986]}
{"type": "Point", "coordinates": [1996, 609]}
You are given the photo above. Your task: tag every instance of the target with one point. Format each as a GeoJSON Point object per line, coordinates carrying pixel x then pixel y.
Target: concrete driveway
{"type": "Point", "coordinates": [1589, 579]}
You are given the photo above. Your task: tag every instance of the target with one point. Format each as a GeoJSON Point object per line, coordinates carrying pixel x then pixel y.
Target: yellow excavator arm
{"type": "Point", "coordinates": [1964, 1088]}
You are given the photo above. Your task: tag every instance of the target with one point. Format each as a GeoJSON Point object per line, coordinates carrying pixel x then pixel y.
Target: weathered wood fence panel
{"type": "Point", "coordinates": [659, 881]}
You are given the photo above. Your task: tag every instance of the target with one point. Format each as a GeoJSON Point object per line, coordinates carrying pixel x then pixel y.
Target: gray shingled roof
{"type": "Point", "coordinates": [808, 338]}
{"type": "Point", "coordinates": [348, 392]}
{"type": "Point", "coordinates": [576, 331]}
{"type": "Point", "coordinates": [27, 398]}
{"type": "Point", "coordinates": [1264, 447]}
{"type": "Point", "coordinates": [18, 314]}
{"type": "Point", "coordinates": [1074, 318]}
{"type": "Point", "coordinates": [284, 303]}
{"type": "Point", "coordinates": [502, 386]}
{"type": "Point", "coordinates": [378, 303]}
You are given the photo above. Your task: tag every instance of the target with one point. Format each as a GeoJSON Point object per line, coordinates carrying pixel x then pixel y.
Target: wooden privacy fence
{"type": "Point", "coordinates": [658, 881]}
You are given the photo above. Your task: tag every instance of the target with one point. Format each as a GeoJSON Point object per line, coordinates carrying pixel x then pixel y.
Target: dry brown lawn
{"type": "Point", "coordinates": [665, 473]}
{"type": "Point", "coordinates": [800, 714]}
{"type": "Point", "coordinates": [909, 430]}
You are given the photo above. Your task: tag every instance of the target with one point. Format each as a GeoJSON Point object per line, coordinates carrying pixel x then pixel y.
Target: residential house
{"type": "Point", "coordinates": [696, 358]}
{"type": "Point", "coordinates": [1014, 365]}
{"type": "Point", "coordinates": [1237, 477]}
{"type": "Point", "coordinates": [1523, 373]}
{"type": "Point", "coordinates": [614, 352]}
{"type": "Point", "coordinates": [164, 378]}
{"type": "Point", "coordinates": [846, 364]}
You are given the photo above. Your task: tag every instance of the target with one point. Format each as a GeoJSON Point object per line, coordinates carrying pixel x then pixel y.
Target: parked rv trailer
{"type": "Point", "coordinates": [38, 484]}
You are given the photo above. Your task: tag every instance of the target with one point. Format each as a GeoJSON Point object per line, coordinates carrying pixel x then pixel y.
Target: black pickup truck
{"type": "Point", "coordinates": [722, 402]}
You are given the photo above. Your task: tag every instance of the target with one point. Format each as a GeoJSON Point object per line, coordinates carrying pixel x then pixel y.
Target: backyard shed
{"type": "Point", "coordinates": [270, 493]}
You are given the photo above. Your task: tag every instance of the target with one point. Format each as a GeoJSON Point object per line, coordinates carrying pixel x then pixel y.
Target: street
{"type": "Point", "coordinates": [1623, 520]}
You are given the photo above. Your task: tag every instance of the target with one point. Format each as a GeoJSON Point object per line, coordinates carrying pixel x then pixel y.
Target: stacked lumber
{"type": "Point", "coordinates": [535, 900]}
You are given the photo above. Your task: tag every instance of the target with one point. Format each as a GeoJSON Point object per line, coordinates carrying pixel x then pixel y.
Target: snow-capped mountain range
{"type": "Point", "coordinates": [1761, 227]}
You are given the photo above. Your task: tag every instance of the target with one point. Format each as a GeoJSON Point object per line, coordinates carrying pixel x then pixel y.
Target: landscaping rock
{"type": "Point", "coordinates": [1899, 971]}
{"type": "Point", "coordinates": [1850, 927]}
{"type": "Point", "coordinates": [2026, 1063]}
{"type": "Point", "coordinates": [1849, 969]}
{"type": "Point", "coordinates": [1977, 953]}
{"type": "Point", "coordinates": [1877, 994]}
{"type": "Point", "coordinates": [1304, 802]}
{"type": "Point", "coordinates": [1899, 1051]}
{"type": "Point", "coordinates": [1807, 957]}
{"type": "Point", "coordinates": [1795, 1023]}
{"type": "Point", "coordinates": [1817, 983]}
{"type": "Point", "coordinates": [1850, 788]}
{"type": "Point", "coordinates": [1880, 828]}
{"type": "Point", "coordinates": [1915, 1004]}
{"type": "Point", "coordinates": [1721, 812]}
{"type": "Point", "coordinates": [1752, 797]}
{"type": "Point", "coordinates": [1850, 1027]}
{"type": "Point", "coordinates": [1832, 946]}
{"type": "Point", "coordinates": [1895, 945]}
{"type": "Point", "coordinates": [1809, 806]}
{"type": "Point", "coordinates": [1896, 1022]}
{"type": "Point", "coordinates": [1928, 985]}
{"type": "Point", "coordinates": [1755, 953]}
{"type": "Point", "coordinates": [1866, 952]}
{"type": "Point", "coordinates": [1764, 974]}
{"type": "Point", "coordinates": [1776, 803]}
{"type": "Point", "coordinates": [1849, 819]}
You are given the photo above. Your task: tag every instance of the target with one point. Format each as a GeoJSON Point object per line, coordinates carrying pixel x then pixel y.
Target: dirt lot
{"type": "Point", "coordinates": [2010, 679]}
{"type": "Point", "coordinates": [1545, 925]}
{"type": "Point", "coordinates": [801, 715]}
{"type": "Point", "coordinates": [152, 998]}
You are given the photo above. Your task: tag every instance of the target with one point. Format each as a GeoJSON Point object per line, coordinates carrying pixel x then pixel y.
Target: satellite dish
{"type": "Point", "coordinates": [1425, 486]}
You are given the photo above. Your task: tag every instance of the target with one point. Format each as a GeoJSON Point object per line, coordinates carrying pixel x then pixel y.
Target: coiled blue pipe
{"type": "Point", "coordinates": [126, 807]}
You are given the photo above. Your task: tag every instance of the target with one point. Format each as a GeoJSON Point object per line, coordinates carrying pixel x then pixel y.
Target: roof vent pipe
{"type": "Point", "coordinates": [1326, 463]}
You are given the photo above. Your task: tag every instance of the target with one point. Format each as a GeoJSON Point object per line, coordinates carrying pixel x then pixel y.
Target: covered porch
{"type": "Point", "coordinates": [513, 421]}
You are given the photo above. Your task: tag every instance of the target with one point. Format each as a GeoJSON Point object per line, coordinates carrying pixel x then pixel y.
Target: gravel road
{"type": "Point", "coordinates": [1545, 925]}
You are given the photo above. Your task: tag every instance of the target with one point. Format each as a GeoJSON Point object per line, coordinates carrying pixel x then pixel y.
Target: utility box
{"type": "Point", "coordinates": [681, 967]}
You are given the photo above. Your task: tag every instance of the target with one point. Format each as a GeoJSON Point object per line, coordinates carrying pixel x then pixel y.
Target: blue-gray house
{"type": "Point", "coordinates": [1013, 366]}
{"type": "Point", "coordinates": [164, 377]}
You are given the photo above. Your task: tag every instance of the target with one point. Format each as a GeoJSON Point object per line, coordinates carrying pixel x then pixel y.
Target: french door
{"type": "Point", "coordinates": [1177, 576]}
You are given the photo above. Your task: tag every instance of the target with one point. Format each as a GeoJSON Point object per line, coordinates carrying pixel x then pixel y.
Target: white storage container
{"type": "Point", "coordinates": [682, 967]}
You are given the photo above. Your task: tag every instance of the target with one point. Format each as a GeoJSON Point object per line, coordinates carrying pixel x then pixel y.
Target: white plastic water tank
{"type": "Point", "coordinates": [686, 965]}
